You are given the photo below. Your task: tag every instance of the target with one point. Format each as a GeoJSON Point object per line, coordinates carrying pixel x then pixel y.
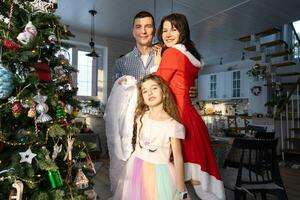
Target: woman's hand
{"type": "Point", "coordinates": [157, 52]}
{"type": "Point", "coordinates": [193, 92]}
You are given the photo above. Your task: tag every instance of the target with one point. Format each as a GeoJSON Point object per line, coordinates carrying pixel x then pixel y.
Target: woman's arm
{"type": "Point", "coordinates": [178, 163]}
{"type": "Point", "coordinates": [169, 64]}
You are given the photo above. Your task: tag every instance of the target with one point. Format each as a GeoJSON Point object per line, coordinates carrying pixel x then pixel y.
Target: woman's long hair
{"type": "Point", "coordinates": [169, 104]}
{"type": "Point", "coordinates": [180, 22]}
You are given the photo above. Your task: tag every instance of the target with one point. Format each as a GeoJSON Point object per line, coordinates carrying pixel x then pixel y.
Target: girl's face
{"type": "Point", "coordinates": [152, 93]}
{"type": "Point", "coordinates": [170, 34]}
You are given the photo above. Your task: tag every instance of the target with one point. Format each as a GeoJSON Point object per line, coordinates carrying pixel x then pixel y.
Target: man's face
{"type": "Point", "coordinates": [143, 31]}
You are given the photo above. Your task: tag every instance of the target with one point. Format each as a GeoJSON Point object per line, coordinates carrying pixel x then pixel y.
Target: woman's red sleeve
{"type": "Point", "coordinates": [168, 65]}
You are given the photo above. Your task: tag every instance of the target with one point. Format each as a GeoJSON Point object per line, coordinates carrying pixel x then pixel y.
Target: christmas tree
{"type": "Point", "coordinates": [39, 156]}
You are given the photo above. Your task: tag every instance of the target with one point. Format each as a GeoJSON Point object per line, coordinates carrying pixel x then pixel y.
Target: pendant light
{"type": "Point", "coordinates": [92, 44]}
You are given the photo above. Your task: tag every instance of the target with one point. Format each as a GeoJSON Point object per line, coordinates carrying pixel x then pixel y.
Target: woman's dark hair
{"type": "Point", "coordinates": [180, 22]}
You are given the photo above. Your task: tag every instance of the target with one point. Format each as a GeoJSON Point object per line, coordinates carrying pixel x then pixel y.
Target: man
{"type": "Point", "coordinates": [140, 60]}
{"type": "Point", "coordinates": [137, 63]}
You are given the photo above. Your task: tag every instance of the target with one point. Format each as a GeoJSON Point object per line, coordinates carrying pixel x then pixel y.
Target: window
{"type": "Point", "coordinates": [213, 86]}
{"type": "Point", "coordinates": [85, 79]}
{"type": "Point", "coordinates": [236, 84]}
{"type": "Point", "coordinates": [296, 47]}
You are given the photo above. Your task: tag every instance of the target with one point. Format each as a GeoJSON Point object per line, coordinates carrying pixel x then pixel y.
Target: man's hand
{"type": "Point", "coordinates": [122, 81]}
{"type": "Point", "coordinates": [193, 92]}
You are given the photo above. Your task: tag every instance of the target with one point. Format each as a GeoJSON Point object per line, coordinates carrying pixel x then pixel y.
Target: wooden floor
{"type": "Point", "coordinates": [291, 179]}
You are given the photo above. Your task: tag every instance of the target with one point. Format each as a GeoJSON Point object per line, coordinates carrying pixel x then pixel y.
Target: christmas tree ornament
{"type": "Point", "coordinates": [69, 147]}
{"type": "Point", "coordinates": [6, 81]}
{"type": "Point", "coordinates": [42, 71]}
{"type": "Point", "coordinates": [32, 112]}
{"type": "Point", "coordinates": [68, 108]}
{"type": "Point", "coordinates": [18, 185]}
{"type": "Point", "coordinates": [52, 38]}
{"type": "Point", "coordinates": [60, 113]}
{"type": "Point", "coordinates": [23, 135]}
{"type": "Point", "coordinates": [28, 35]}
{"type": "Point", "coordinates": [2, 145]}
{"type": "Point", "coordinates": [26, 103]}
{"type": "Point", "coordinates": [90, 163]}
{"type": "Point", "coordinates": [17, 108]}
{"type": "Point", "coordinates": [42, 6]}
{"type": "Point", "coordinates": [10, 44]}
{"type": "Point", "coordinates": [81, 181]}
{"type": "Point", "coordinates": [56, 150]}
{"type": "Point", "coordinates": [27, 156]}
{"type": "Point", "coordinates": [34, 52]}
{"type": "Point", "coordinates": [59, 73]}
{"type": "Point", "coordinates": [21, 73]}
{"type": "Point", "coordinates": [75, 112]}
{"type": "Point", "coordinates": [55, 179]}
{"type": "Point", "coordinates": [42, 109]}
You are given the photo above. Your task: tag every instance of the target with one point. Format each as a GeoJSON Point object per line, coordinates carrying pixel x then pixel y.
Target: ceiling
{"type": "Point", "coordinates": [215, 24]}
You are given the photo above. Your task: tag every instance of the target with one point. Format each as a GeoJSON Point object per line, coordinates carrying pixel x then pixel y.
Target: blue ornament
{"type": "Point", "coordinates": [6, 82]}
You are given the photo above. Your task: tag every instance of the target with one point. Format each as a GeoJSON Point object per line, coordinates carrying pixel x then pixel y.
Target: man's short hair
{"type": "Point", "coordinates": [144, 14]}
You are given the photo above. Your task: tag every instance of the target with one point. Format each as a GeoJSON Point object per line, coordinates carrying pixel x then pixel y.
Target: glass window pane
{"type": "Point", "coordinates": [84, 76]}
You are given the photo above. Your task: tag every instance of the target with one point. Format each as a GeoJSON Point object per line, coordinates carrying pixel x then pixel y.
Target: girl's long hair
{"type": "Point", "coordinates": [169, 104]}
{"type": "Point", "coordinates": [180, 22]}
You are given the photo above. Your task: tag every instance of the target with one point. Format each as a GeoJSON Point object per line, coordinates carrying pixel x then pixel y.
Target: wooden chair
{"type": "Point", "coordinates": [232, 124]}
{"type": "Point", "coordinates": [252, 129]}
{"type": "Point", "coordinates": [257, 170]}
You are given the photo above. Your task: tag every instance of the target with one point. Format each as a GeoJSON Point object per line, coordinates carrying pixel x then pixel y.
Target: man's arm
{"type": "Point", "coordinates": [117, 71]}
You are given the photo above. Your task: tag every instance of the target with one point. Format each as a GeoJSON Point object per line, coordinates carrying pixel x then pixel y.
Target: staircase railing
{"type": "Point", "coordinates": [289, 114]}
{"type": "Point", "coordinates": [287, 99]}
{"type": "Point", "coordinates": [297, 38]}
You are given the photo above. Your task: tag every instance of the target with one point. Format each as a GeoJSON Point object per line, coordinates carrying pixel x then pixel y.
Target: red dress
{"type": "Point", "coordinates": [180, 69]}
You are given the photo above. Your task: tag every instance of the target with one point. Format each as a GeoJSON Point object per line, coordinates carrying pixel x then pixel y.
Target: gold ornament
{"type": "Point", "coordinates": [31, 112]}
{"type": "Point", "coordinates": [81, 181]}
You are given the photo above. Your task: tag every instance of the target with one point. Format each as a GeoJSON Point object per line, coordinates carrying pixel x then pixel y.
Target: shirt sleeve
{"type": "Point", "coordinates": [117, 72]}
{"type": "Point", "coordinates": [168, 65]}
{"type": "Point", "coordinates": [178, 131]}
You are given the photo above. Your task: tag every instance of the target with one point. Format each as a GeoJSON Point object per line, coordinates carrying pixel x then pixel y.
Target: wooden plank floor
{"type": "Point", "coordinates": [291, 180]}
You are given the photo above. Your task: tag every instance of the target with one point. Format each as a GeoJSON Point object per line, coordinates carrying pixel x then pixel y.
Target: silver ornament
{"type": "Point", "coordinates": [42, 108]}
{"type": "Point", "coordinates": [68, 109]}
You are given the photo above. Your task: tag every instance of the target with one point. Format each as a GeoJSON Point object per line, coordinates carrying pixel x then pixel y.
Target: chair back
{"type": "Point", "coordinates": [258, 161]}
{"type": "Point", "coordinates": [252, 129]}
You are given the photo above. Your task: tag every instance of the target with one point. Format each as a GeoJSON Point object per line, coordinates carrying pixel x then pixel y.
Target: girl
{"type": "Point", "coordinates": [149, 174]}
{"type": "Point", "coordinates": [179, 66]}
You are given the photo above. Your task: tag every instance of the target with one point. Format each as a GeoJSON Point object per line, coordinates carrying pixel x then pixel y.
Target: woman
{"type": "Point", "coordinates": [179, 66]}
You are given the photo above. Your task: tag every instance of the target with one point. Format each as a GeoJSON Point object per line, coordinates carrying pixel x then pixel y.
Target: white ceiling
{"type": "Point", "coordinates": [215, 24]}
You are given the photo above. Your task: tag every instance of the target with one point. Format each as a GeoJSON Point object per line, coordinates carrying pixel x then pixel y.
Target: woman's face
{"type": "Point", "coordinates": [170, 34]}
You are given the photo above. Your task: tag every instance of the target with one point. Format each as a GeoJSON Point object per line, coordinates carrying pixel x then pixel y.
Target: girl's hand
{"type": "Point", "coordinates": [157, 52]}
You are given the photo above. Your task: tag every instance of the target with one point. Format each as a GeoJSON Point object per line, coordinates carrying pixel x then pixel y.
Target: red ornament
{"type": "Point", "coordinates": [43, 72]}
{"type": "Point", "coordinates": [17, 108]}
{"type": "Point", "coordinates": [2, 145]}
{"type": "Point", "coordinates": [10, 44]}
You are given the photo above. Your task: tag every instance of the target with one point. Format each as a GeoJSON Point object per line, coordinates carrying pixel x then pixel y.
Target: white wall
{"type": "Point", "coordinates": [111, 48]}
